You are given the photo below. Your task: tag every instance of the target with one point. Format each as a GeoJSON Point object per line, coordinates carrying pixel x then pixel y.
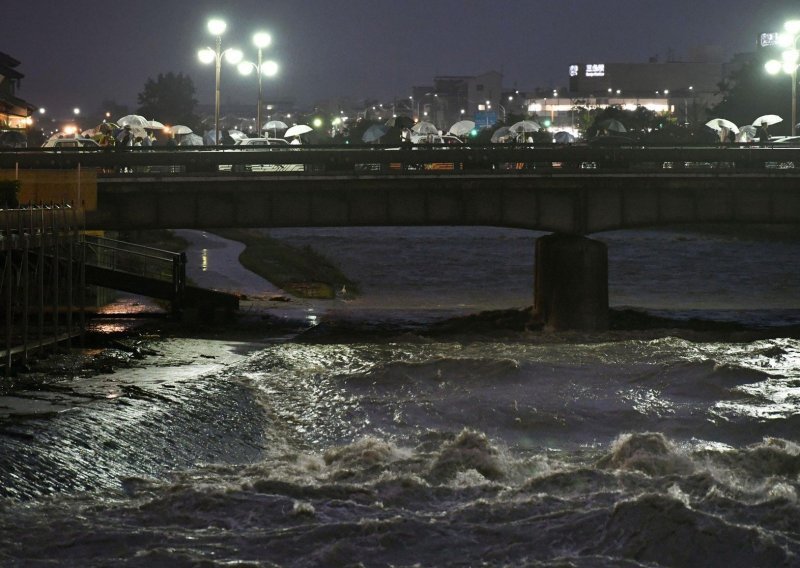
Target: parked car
{"type": "Point", "coordinates": [261, 142]}
{"type": "Point", "coordinates": [71, 143]}
{"type": "Point", "coordinates": [256, 144]}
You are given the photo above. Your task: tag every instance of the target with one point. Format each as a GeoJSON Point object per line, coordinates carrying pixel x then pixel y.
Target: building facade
{"type": "Point", "coordinates": [15, 113]}
{"type": "Point", "coordinates": [457, 97]}
{"type": "Point", "coordinates": [682, 89]}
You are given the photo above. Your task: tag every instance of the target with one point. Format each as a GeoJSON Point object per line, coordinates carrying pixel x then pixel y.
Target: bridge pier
{"type": "Point", "coordinates": [571, 283]}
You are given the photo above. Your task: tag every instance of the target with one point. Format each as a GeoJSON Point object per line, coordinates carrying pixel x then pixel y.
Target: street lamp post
{"type": "Point", "coordinates": [268, 68]}
{"type": "Point", "coordinates": [208, 55]}
{"type": "Point", "coordinates": [261, 41]}
{"type": "Point", "coordinates": [790, 60]}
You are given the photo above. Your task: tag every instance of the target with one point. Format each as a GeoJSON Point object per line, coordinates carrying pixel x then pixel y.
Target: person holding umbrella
{"type": "Point", "coordinates": [763, 132]}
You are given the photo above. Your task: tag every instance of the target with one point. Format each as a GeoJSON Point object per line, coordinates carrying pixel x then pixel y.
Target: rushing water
{"type": "Point", "coordinates": [357, 432]}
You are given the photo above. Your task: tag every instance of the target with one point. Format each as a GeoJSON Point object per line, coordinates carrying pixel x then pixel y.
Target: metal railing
{"type": "Point", "coordinates": [493, 159]}
{"type": "Point", "coordinates": [139, 260]}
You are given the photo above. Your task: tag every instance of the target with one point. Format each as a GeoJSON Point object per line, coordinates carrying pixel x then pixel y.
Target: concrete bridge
{"type": "Point", "coordinates": [569, 191]}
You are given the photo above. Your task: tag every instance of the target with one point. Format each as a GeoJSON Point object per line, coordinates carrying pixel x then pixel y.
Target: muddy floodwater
{"type": "Point", "coordinates": [362, 431]}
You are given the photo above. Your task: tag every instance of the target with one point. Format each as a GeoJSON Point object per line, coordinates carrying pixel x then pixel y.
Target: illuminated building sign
{"type": "Point", "coordinates": [768, 39]}
{"type": "Point", "coordinates": [595, 69]}
{"type": "Point", "coordinates": [573, 70]}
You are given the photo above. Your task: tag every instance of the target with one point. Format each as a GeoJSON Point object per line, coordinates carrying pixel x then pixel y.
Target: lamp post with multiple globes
{"type": "Point", "coordinates": [790, 60]}
{"type": "Point", "coordinates": [216, 28]}
{"type": "Point", "coordinates": [262, 68]}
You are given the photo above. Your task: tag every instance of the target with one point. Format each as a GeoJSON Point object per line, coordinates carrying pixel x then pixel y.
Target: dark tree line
{"type": "Point", "coordinates": [170, 99]}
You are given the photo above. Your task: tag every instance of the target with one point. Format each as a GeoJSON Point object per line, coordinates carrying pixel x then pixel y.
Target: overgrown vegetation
{"type": "Point", "coordinates": [301, 271]}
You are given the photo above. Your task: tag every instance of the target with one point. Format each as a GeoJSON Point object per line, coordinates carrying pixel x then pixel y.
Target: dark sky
{"type": "Point", "coordinates": [80, 52]}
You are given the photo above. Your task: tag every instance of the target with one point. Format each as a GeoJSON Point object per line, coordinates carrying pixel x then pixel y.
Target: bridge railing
{"type": "Point", "coordinates": [136, 259]}
{"type": "Point", "coordinates": [494, 159]}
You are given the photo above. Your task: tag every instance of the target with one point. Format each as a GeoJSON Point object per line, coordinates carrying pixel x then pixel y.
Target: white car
{"type": "Point", "coordinates": [261, 142]}
{"type": "Point", "coordinates": [254, 143]}
{"type": "Point", "coordinates": [71, 143]}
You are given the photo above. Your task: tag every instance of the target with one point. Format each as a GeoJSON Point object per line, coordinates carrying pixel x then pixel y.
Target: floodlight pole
{"type": "Point", "coordinates": [794, 101]}
{"type": "Point", "coordinates": [216, 92]}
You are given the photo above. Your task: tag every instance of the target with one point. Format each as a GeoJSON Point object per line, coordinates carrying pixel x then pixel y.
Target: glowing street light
{"type": "Point", "coordinates": [268, 68]}
{"type": "Point", "coordinates": [790, 60]}
{"type": "Point", "coordinates": [216, 28]}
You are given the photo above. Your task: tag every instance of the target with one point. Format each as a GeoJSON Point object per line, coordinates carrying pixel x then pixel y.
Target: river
{"type": "Point", "coordinates": [362, 432]}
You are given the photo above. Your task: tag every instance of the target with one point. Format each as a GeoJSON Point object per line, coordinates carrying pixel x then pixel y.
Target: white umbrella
{"type": "Point", "coordinates": [297, 130]}
{"type": "Point", "coordinates": [720, 123]}
{"type": "Point", "coordinates": [133, 120]}
{"type": "Point", "coordinates": [747, 133]}
{"type": "Point", "coordinates": [770, 119]}
{"type": "Point", "coordinates": [180, 129]}
{"type": "Point", "coordinates": [154, 125]}
{"type": "Point", "coordinates": [461, 128]}
{"type": "Point", "coordinates": [191, 139]}
{"type": "Point", "coordinates": [275, 125]}
{"type": "Point", "coordinates": [524, 126]}
{"type": "Point", "coordinates": [425, 127]}
{"type": "Point", "coordinates": [237, 134]}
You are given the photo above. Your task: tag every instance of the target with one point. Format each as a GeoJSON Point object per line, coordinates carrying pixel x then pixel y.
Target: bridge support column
{"type": "Point", "coordinates": [571, 283]}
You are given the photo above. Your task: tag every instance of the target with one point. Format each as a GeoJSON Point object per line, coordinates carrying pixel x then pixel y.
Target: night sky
{"type": "Point", "coordinates": [78, 53]}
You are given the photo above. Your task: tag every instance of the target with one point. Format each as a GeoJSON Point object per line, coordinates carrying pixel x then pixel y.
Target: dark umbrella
{"type": "Point", "coordinates": [400, 122]}
{"type": "Point", "coordinates": [563, 137]}
{"type": "Point", "coordinates": [375, 133]}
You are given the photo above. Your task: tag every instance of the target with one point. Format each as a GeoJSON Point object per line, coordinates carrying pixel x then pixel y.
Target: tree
{"type": "Point", "coordinates": [169, 99]}
{"type": "Point", "coordinates": [749, 92]}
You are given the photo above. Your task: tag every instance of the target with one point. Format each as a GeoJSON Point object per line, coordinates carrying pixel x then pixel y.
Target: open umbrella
{"type": "Point", "coordinates": [191, 139]}
{"type": "Point", "coordinates": [563, 137]}
{"type": "Point", "coordinates": [297, 130]}
{"type": "Point", "coordinates": [154, 125]}
{"type": "Point", "coordinates": [720, 123]}
{"type": "Point", "coordinates": [374, 133]}
{"type": "Point", "coordinates": [747, 133]}
{"type": "Point", "coordinates": [425, 127]}
{"type": "Point", "coordinates": [500, 133]}
{"type": "Point", "coordinates": [180, 129]}
{"type": "Point", "coordinates": [461, 128]}
{"type": "Point", "coordinates": [275, 125]}
{"type": "Point", "coordinates": [524, 127]}
{"type": "Point", "coordinates": [133, 120]}
{"type": "Point", "coordinates": [770, 119]}
{"type": "Point", "coordinates": [612, 125]}
{"type": "Point", "coordinates": [400, 122]}
{"type": "Point", "coordinates": [237, 134]}
{"type": "Point", "coordinates": [138, 132]}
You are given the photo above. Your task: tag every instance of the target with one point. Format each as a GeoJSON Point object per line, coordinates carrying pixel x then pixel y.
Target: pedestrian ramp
{"type": "Point", "coordinates": [151, 272]}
